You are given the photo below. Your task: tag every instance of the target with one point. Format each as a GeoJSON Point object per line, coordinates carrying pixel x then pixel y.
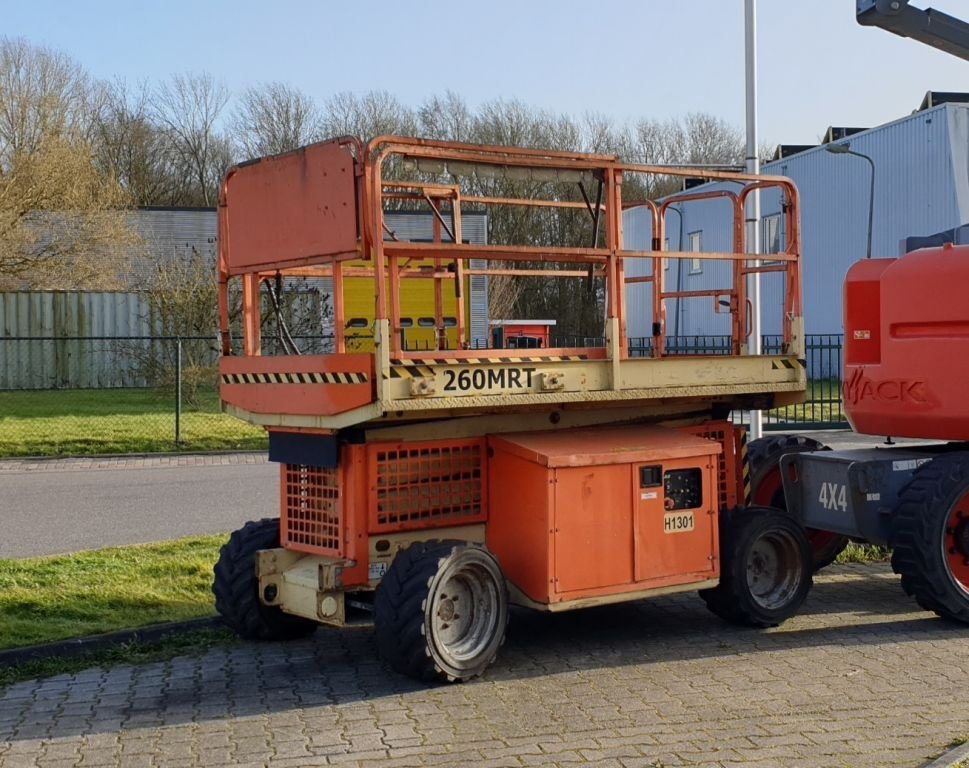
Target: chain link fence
{"type": "Point", "coordinates": [139, 394]}
{"type": "Point", "coordinates": [70, 395]}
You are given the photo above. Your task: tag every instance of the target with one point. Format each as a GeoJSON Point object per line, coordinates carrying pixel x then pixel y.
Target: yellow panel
{"type": "Point", "coordinates": [416, 299]}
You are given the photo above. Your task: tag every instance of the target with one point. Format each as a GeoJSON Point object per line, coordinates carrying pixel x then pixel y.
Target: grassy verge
{"type": "Point", "coordinates": [77, 422]}
{"type": "Point", "coordinates": [46, 599]}
{"type": "Point", "coordinates": [863, 553]}
{"type": "Point", "coordinates": [822, 405]}
{"type": "Point", "coordinates": [168, 648]}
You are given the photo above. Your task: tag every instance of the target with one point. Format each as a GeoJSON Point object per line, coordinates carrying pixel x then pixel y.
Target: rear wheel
{"type": "Point", "coordinates": [765, 570]}
{"type": "Point", "coordinates": [236, 587]}
{"type": "Point", "coordinates": [930, 537]}
{"type": "Point", "coordinates": [441, 611]}
{"type": "Point", "coordinates": [767, 489]}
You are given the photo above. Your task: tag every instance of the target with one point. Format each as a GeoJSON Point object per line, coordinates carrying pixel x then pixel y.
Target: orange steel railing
{"type": "Point", "coordinates": [367, 247]}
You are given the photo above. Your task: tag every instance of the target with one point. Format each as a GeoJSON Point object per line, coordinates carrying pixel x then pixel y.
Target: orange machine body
{"type": "Point", "coordinates": [570, 515]}
{"type": "Point", "coordinates": [907, 345]}
{"type": "Point", "coordinates": [592, 512]}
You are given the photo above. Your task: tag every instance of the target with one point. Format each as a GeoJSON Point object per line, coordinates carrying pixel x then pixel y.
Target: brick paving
{"type": "Point", "coordinates": [860, 678]}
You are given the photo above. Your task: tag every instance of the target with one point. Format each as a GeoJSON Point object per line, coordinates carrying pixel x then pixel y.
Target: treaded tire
{"type": "Point", "coordinates": [765, 572]}
{"type": "Point", "coordinates": [236, 587]}
{"type": "Point", "coordinates": [764, 455]}
{"type": "Point", "coordinates": [932, 511]}
{"type": "Point", "coordinates": [422, 627]}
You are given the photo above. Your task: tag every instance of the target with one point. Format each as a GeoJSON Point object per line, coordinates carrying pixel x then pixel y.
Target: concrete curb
{"type": "Point", "coordinates": [85, 645]}
{"type": "Point", "coordinates": [952, 758]}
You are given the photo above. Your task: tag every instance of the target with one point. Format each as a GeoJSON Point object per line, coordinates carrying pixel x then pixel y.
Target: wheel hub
{"type": "Point", "coordinates": [769, 576]}
{"type": "Point", "coordinates": [445, 610]}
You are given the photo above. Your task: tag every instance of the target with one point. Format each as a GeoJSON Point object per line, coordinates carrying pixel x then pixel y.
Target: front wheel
{"type": "Point", "coordinates": [236, 587]}
{"type": "Point", "coordinates": [441, 611]}
{"type": "Point", "coordinates": [930, 537]}
{"type": "Point", "coordinates": [767, 488]}
{"type": "Point", "coordinates": [766, 568]}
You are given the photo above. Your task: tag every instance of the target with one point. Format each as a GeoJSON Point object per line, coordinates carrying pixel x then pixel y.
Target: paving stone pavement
{"type": "Point", "coordinates": [861, 678]}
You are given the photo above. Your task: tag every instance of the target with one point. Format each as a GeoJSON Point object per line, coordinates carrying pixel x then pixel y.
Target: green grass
{"type": "Point", "coordinates": [81, 422]}
{"type": "Point", "coordinates": [822, 405]}
{"type": "Point", "coordinates": [863, 553]}
{"type": "Point", "coordinates": [47, 599]}
{"type": "Point", "coordinates": [134, 653]}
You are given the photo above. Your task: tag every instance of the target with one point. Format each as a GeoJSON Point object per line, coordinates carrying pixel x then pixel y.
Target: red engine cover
{"type": "Point", "coordinates": [907, 345]}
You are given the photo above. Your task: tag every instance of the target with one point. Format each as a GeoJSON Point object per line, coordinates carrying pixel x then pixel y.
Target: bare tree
{"type": "Point", "coordinates": [376, 113]}
{"type": "Point", "coordinates": [447, 118]}
{"type": "Point", "coordinates": [274, 118]}
{"type": "Point", "coordinates": [188, 108]}
{"type": "Point", "coordinates": [132, 147]}
{"type": "Point", "coordinates": [710, 139]}
{"type": "Point", "coordinates": [62, 223]}
{"type": "Point", "coordinates": [42, 93]}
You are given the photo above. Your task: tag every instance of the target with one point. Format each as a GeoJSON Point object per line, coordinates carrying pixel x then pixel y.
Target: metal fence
{"type": "Point", "coordinates": [62, 395]}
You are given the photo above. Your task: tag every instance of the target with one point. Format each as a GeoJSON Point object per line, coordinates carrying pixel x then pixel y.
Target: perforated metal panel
{"type": "Point", "coordinates": [312, 510]}
{"type": "Point", "coordinates": [426, 485]}
{"type": "Point", "coordinates": [730, 478]}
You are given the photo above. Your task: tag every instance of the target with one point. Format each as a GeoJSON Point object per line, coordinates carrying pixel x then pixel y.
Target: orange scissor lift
{"type": "Point", "coordinates": [423, 491]}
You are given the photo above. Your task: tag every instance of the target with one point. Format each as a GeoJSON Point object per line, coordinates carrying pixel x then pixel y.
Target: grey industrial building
{"type": "Point", "coordinates": [921, 197]}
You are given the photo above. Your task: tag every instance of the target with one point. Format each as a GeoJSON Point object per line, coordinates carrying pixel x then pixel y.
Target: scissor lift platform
{"type": "Point", "coordinates": [324, 220]}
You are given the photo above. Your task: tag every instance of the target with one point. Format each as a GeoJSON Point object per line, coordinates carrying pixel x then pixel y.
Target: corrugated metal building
{"type": "Point", "coordinates": [85, 339]}
{"type": "Point", "coordinates": [921, 189]}
{"type": "Point", "coordinates": [174, 233]}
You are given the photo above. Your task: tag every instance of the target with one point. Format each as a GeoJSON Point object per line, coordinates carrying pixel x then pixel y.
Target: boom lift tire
{"type": "Point", "coordinates": [767, 490]}
{"type": "Point", "coordinates": [236, 587]}
{"type": "Point", "coordinates": [930, 537]}
{"type": "Point", "coordinates": [441, 611]}
{"type": "Point", "coordinates": [765, 569]}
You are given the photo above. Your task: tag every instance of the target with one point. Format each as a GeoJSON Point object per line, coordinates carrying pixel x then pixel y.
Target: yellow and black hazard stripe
{"type": "Point", "coordinates": [785, 362]}
{"type": "Point", "coordinates": [745, 464]}
{"type": "Point", "coordinates": [490, 360]}
{"type": "Point", "coordinates": [410, 372]}
{"type": "Point", "coordinates": [412, 369]}
{"type": "Point", "coordinates": [295, 378]}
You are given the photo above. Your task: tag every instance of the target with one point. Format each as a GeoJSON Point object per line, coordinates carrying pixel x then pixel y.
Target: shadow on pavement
{"type": "Point", "coordinates": [857, 606]}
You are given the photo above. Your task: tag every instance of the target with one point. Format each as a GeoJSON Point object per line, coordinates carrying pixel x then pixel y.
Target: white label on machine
{"type": "Point", "coordinates": [908, 464]}
{"type": "Point", "coordinates": [646, 495]}
{"type": "Point", "coordinates": [678, 522]}
{"type": "Point", "coordinates": [377, 571]}
{"type": "Point", "coordinates": [833, 496]}
{"type": "Point", "coordinates": [874, 497]}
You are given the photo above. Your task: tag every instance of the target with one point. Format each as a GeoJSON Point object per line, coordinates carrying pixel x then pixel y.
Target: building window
{"type": "Point", "coordinates": [773, 241]}
{"type": "Point", "coordinates": [695, 243]}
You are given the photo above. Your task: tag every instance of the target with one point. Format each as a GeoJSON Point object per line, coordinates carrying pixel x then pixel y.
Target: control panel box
{"type": "Point", "coordinates": [583, 513]}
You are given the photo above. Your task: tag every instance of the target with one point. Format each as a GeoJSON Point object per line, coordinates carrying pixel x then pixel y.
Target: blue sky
{"type": "Point", "coordinates": [623, 58]}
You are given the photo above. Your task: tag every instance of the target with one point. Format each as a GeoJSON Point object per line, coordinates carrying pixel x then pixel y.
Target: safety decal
{"type": "Point", "coordinates": [295, 378]}
{"type": "Point", "coordinates": [782, 363]}
{"type": "Point", "coordinates": [414, 369]}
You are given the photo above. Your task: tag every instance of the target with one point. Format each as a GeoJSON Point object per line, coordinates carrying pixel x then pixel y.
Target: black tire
{"type": "Point", "coordinates": [930, 537]}
{"type": "Point", "coordinates": [765, 568]}
{"type": "Point", "coordinates": [421, 631]}
{"type": "Point", "coordinates": [766, 490]}
{"type": "Point", "coordinates": [236, 587]}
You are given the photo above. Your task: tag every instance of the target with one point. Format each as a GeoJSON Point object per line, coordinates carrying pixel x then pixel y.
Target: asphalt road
{"type": "Point", "coordinates": [55, 506]}
{"type": "Point", "coordinates": [50, 507]}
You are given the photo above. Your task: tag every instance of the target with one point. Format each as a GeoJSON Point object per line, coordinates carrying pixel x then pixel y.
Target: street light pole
{"type": "Point", "coordinates": [845, 149]}
{"type": "Point", "coordinates": [753, 167]}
